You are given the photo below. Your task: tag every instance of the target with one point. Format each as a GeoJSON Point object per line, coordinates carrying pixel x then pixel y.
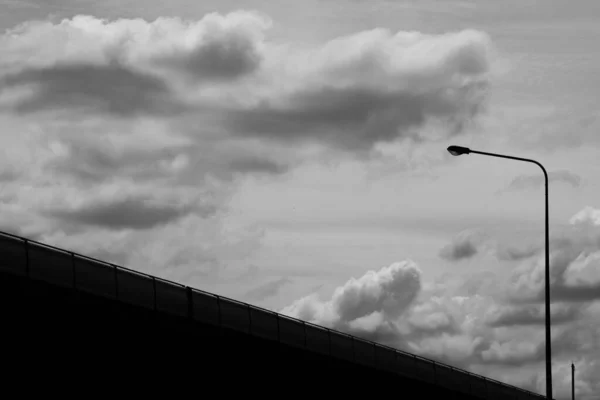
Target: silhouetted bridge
{"type": "Point", "coordinates": [75, 325]}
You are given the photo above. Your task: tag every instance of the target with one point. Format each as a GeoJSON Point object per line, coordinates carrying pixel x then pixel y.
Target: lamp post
{"type": "Point", "coordinates": [457, 151]}
{"type": "Point", "coordinates": [572, 381]}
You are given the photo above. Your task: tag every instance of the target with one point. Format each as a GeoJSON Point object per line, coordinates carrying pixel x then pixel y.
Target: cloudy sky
{"type": "Point", "coordinates": [292, 155]}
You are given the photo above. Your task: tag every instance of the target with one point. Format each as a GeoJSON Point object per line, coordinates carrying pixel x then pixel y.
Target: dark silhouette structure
{"type": "Point", "coordinates": [459, 150]}
{"type": "Point", "coordinates": [78, 327]}
{"type": "Point", "coordinates": [572, 381]}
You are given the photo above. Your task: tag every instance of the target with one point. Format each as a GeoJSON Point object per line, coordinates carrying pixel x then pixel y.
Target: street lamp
{"type": "Point", "coordinates": [457, 151]}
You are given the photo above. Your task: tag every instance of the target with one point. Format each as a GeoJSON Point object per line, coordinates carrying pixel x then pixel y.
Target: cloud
{"type": "Point", "coordinates": [217, 48]}
{"type": "Point", "coordinates": [349, 93]}
{"type": "Point", "coordinates": [365, 305]}
{"type": "Point", "coordinates": [109, 89]}
{"type": "Point", "coordinates": [531, 315]}
{"type": "Point", "coordinates": [195, 250]}
{"type": "Point", "coordinates": [469, 322]}
{"type": "Point", "coordinates": [134, 213]}
{"type": "Point", "coordinates": [588, 215]}
{"type": "Point", "coordinates": [267, 290]}
{"type": "Point", "coordinates": [573, 265]}
{"type": "Point", "coordinates": [465, 245]}
{"type": "Point", "coordinates": [513, 352]}
{"type": "Point", "coordinates": [535, 181]}
{"type": "Point", "coordinates": [516, 254]}
{"type": "Point", "coordinates": [214, 47]}
{"type": "Point", "coordinates": [366, 88]}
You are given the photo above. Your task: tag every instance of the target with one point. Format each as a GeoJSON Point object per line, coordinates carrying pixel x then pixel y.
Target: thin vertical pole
{"type": "Point", "coordinates": [548, 324]}
{"type": "Point", "coordinates": [572, 381]}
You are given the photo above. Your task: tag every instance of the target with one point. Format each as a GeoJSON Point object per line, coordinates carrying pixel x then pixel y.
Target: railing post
{"type": "Point", "coordinates": [74, 271]}
{"type": "Point", "coordinates": [116, 282]}
{"type": "Point", "coordinates": [470, 383]}
{"type": "Point", "coordinates": [486, 387]}
{"type": "Point", "coordinates": [375, 359]}
{"type": "Point", "coordinates": [190, 302]}
{"type": "Point", "coordinates": [219, 311]}
{"type": "Point", "coordinates": [305, 336]}
{"type": "Point", "coordinates": [26, 245]}
{"type": "Point", "coordinates": [249, 320]}
{"type": "Point", "coordinates": [154, 293]}
{"type": "Point", "coordinates": [415, 362]}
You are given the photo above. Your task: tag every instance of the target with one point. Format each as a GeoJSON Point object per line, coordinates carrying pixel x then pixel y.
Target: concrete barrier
{"type": "Point", "coordinates": [317, 339]}
{"type": "Point", "coordinates": [206, 308]}
{"type": "Point", "coordinates": [263, 324]}
{"type": "Point", "coordinates": [234, 315]}
{"type": "Point", "coordinates": [364, 352]}
{"type": "Point", "coordinates": [50, 265]}
{"type": "Point", "coordinates": [135, 289]}
{"type": "Point", "coordinates": [171, 298]}
{"type": "Point", "coordinates": [291, 332]}
{"type": "Point", "coordinates": [95, 278]}
{"type": "Point", "coordinates": [13, 256]}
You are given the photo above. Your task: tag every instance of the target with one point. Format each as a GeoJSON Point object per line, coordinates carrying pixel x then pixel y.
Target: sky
{"type": "Point", "coordinates": [293, 155]}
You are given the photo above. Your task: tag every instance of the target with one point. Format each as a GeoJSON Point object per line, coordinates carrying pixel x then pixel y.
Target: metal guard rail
{"type": "Point", "coordinates": [37, 260]}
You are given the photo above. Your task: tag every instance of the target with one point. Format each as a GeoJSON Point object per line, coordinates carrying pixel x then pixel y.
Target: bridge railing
{"type": "Point", "coordinates": [39, 261]}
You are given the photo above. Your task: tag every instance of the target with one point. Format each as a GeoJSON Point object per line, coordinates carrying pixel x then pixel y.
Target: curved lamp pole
{"type": "Point", "coordinates": [457, 151]}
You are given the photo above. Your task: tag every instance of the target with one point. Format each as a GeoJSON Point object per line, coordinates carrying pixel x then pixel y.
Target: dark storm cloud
{"type": "Point", "coordinates": [517, 254]}
{"type": "Point", "coordinates": [349, 93]}
{"type": "Point", "coordinates": [256, 164]}
{"type": "Point", "coordinates": [221, 58]}
{"type": "Point", "coordinates": [532, 315]}
{"type": "Point", "coordinates": [109, 89]}
{"type": "Point", "coordinates": [582, 292]}
{"type": "Point", "coordinates": [464, 246]}
{"type": "Point", "coordinates": [91, 161]}
{"type": "Point", "coordinates": [515, 358]}
{"type": "Point", "coordinates": [129, 213]}
{"type": "Point", "coordinates": [535, 181]}
{"type": "Point", "coordinates": [352, 118]}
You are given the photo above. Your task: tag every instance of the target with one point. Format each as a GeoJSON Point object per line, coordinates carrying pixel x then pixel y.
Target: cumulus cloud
{"type": "Point", "coordinates": [134, 127]}
{"type": "Point", "coordinates": [470, 243]}
{"type": "Point", "coordinates": [513, 352]}
{"type": "Point", "coordinates": [216, 48]}
{"type": "Point", "coordinates": [470, 322]}
{"type": "Point", "coordinates": [366, 304]}
{"type": "Point", "coordinates": [588, 215]}
{"type": "Point", "coordinates": [574, 263]}
{"type": "Point", "coordinates": [367, 88]}
{"type": "Point", "coordinates": [536, 181]}
{"type": "Point", "coordinates": [349, 93]}
{"type": "Point", "coordinates": [178, 104]}
{"type": "Point", "coordinates": [531, 315]}
{"type": "Point", "coordinates": [465, 245]}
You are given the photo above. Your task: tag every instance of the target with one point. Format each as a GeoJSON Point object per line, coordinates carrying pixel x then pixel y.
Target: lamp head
{"type": "Point", "coordinates": [458, 150]}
